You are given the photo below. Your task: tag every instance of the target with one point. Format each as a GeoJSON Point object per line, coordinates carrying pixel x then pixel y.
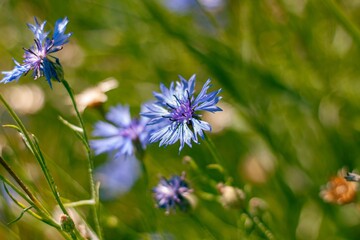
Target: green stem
{"type": "Point", "coordinates": [49, 177]}
{"type": "Point", "coordinates": [145, 173]}
{"type": "Point", "coordinates": [140, 156]}
{"type": "Point", "coordinates": [260, 225]}
{"type": "Point", "coordinates": [71, 94]}
{"type": "Point", "coordinates": [80, 203]}
{"type": "Point", "coordinates": [46, 218]}
{"type": "Point", "coordinates": [218, 159]}
{"type": "Point", "coordinates": [36, 151]}
{"type": "Point", "coordinates": [94, 192]}
{"type": "Point", "coordinates": [34, 200]}
{"type": "Point", "coordinates": [51, 181]}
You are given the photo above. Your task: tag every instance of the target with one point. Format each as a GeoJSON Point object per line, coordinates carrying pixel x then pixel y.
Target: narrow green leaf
{"type": "Point", "coordinates": [71, 126]}
{"type": "Point", "coordinates": [12, 126]}
{"type": "Point", "coordinates": [21, 214]}
{"type": "Point", "coordinates": [77, 130]}
{"type": "Point", "coordinates": [216, 167]}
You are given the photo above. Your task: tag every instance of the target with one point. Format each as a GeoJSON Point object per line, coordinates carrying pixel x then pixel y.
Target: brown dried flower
{"type": "Point", "coordinates": [95, 96]}
{"type": "Point", "coordinates": [339, 191]}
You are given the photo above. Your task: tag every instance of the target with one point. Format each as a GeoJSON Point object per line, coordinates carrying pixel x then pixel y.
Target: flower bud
{"type": "Point", "coordinates": [231, 197]}
{"type": "Point", "coordinates": [172, 193]}
{"type": "Point", "coordinates": [67, 224]}
{"type": "Point", "coordinates": [257, 206]}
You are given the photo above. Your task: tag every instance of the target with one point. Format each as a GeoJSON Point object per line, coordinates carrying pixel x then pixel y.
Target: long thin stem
{"type": "Point", "coordinates": [260, 225]}
{"type": "Point", "coordinates": [94, 192]}
{"type": "Point", "coordinates": [217, 157]}
{"type": "Point", "coordinates": [36, 151]}
{"type": "Point", "coordinates": [49, 177]}
{"type": "Point", "coordinates": [22, 186]}
{"type": "Point", "coordinates": [44, 216]}
{"type": "Point", "coordinates": [80, 203]}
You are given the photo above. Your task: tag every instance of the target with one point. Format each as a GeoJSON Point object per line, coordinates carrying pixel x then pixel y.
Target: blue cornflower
{"type": "Point", "coordinates": [121, 134]}
{"type": "Point", "coordinates": [176, 112]}
{"type": "Point", "coordinates": [37, 57]}
{"type": "Point", "coordinates": [171, 193]}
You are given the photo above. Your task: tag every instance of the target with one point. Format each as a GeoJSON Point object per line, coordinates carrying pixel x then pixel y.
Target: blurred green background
{"type": "Point", "coordinates": [289, 70]}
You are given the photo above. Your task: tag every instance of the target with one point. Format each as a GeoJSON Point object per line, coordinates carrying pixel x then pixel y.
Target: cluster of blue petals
{"type": "Point", "coordinates": [171, 193]}
{"type": "Point", "coordinates": [37, 58]}
{"type": "Point", "coordinates": [175, 113]}
{"type": "Point", "coordinates": [120, 134]}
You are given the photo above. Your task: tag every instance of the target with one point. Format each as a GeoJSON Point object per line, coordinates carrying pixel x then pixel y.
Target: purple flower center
{"type": "Point", "coordinates": [133, 130]}
{"type": "Point", "coordinates": [166, 192]}
{"type": "Point", "coordinates": [169, 193]}
{"type": "Point", "coordinates": [183, 112]}
{"type": "Point", "coordinates": [35, 56]}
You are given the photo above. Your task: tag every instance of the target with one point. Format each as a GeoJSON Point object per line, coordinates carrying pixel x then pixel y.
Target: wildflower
{"type": "Point", "coordinates": [37, 58]}
{"type": "Point", "coordinates": [175, 112]}
{"type": "Point", "coordinates": [121, 134]}
{"type": "Point", "coordinates": [339, 191]}
{"type": "Point", "coordinates": [118, 176]}
{"type": "Point", "coordinates": [171, 193]}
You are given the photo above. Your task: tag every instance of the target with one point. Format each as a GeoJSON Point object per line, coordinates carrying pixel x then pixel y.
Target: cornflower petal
{"type": "Point", "coordinates": [199, 127]}
{"type": "Point", "coordinates": [188, 85]}
{"type": "Point", "coordinates": [172, 135]}
{"type": "Point", "coordinates": [59, 37]}
{"type": "Point", "coordinates": [120, 115]}
{"type": "Point", "coordinates": [38, 30]}
{"type": "Point", "coordinates": [127, 148]}
{"type": "Point", "coordinates": [104, 129]}
{"type": "Point", "coordinates": [186, 135]}
{"type": "Point", "coordinates": [166, 95]}
{"type": "Point", "coordinates": [109, 144]}
{"type": "Point", "coordinates": [209, 103]}
{"type": "Point", "coordinates": [120, 135]}
{"type": "Point", "coordinates": [156, 114]}
{"type": "Point", "coordinates": [161, 135]}
{"type": "Point", "coordinates": [14, 74]}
